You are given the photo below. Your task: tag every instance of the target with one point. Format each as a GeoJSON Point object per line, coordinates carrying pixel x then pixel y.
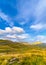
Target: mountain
{"type": "Point", "coordinates": [43, 45]}
{"type": "Point", "coordinates": [10, 47]}
{"type": "Point", "coordinates": [35, 43]}
{"type": "Point", "coordinates": [7, 46]}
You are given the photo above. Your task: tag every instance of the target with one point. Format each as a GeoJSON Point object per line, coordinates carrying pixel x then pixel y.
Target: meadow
{"type": "Point", "coordinates": [12, 53]}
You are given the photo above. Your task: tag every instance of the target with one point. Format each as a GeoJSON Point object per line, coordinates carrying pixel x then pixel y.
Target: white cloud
{"type": "Point", "coordinates": [18, 29]}
{"type": "Point", "coordinates": [12, 30]}
{"type": "Point", "coordinates": [41, 38]}
{"type": "Point", "coordinates": [38, 38]}
{"type": "Point", "coordinates": [40, 12]}
{"type": "Point", "coordinates": [40, 16]}
{"type": "Point", "coordinates": [6, 18]}
{"type": "Point", "coordinates": [23, 36]}
{"type": "Point", "coordinates": [8, 30]}
{"type": "Point", "coordinates": [25, 10]}
{"type": "Point", "coordinates": [14, 33]}
{"type": "Point", "coordinates": [38, 26]}
{"type": "Point", "coordinates": [2, 31]}
{"type": "Point", "coordinates": [8, 34]}
{"type": "Point", "coordinates": [11, 36]}
{"type": "Point", "coordinates": [40, 9]}
{"type": "Point", "coordinates": [31, 9]}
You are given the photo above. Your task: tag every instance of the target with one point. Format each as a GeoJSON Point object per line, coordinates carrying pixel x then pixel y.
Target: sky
{"type": "Point", "coordinates": [23, 20]}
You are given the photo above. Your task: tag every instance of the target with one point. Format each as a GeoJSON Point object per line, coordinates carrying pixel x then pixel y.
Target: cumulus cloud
{"type": "Point", "coordinates": [26, 11]}
{"type": "Point", "coordinates": [8, 30]}
{"type": "Point", "coordinates": [18, 29]}
{"type": "Point", "coordinates": [38, 26]}
{"type": "Point", "coordinates": [2, 31]}
{"type": "Point", "coordinates": [23, 36]}
{"type": "Point", "coordinates": [12, 30]}
{"type": "Point", "coordinates": [11, 36]}
{"type": "Point", "coordinates": [14, 33]}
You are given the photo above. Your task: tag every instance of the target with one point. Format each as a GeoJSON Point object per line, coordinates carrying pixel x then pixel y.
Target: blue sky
{"type": "Point", "coordinates": [23, 20]}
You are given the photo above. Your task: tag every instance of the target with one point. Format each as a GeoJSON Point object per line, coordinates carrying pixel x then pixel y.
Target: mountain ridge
{"type": "Point", "coordinates": [7, 46]}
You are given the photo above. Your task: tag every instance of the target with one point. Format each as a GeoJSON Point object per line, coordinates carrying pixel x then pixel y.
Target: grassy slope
{"type": "Point", "coordinates": [37, 56]}
{"type": "Point", "coordinates": [7, 46]}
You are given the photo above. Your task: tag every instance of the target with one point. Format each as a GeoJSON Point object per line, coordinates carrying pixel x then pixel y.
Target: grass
{"type": "Point", "coordinates": [12, 53]}
{"type": "Point", "coordinates": [22, 59]}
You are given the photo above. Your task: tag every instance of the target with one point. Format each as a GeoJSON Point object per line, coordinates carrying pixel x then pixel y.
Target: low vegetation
{"type": "Point", "coordinates": [15, 53]}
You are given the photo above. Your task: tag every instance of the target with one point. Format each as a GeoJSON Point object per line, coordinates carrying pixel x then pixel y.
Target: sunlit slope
{"type": "Point", "coordinates": [39, 44]}
{"type": "Point", "coordinates": [7, 46]}
{"type": "Point", "coordinates": [36, 43]}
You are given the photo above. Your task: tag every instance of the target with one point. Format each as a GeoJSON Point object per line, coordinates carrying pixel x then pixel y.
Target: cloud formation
{"type": "Point", "coordinates": [14, 33]}
{"type": "Point", "coordinates": [31, 9]}
{"type": "Point", "coordinates": [38, 26]}
{"type": "Point", "coordinates": [32, 13]}
{"type": "Point", "coordinates": [18, 34]}
{"type": "Point", "coordinates": [11, 30]}
{"type": "Point", "coordinates": [41, 38]}
{"type": "Point", "coordinates": [25, 10]}
{"type": "Point", "coordinates": [6, 18]}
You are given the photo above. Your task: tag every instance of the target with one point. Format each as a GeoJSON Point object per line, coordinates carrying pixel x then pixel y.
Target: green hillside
{"type": "Point", "coordinates": [20, 53]}
{"type": "Point", "coordinates": [7, 46]}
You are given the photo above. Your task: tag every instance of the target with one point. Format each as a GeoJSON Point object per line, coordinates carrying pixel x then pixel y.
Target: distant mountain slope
{"type": "Point", "coordinates": [35, 43]}
{"type": "Point", "coordinates": [43, 45]}
{"type": "Point", "coordinates": [7, 46]}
